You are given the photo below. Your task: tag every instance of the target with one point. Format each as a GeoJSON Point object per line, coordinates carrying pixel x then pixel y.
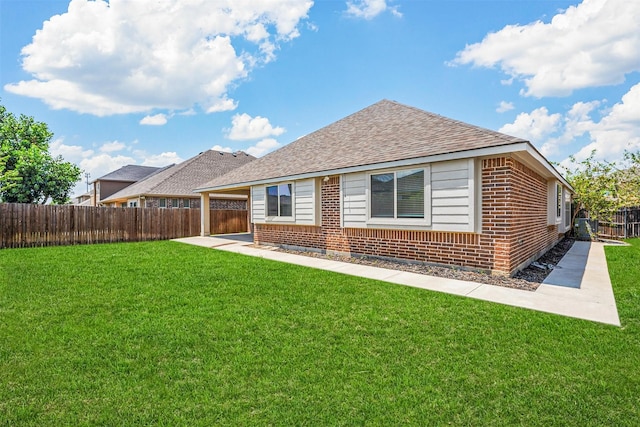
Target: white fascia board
{"type": "Point", "coordinates": [480, 152]}
{"type": "Point", "coordinates": [543, 161]}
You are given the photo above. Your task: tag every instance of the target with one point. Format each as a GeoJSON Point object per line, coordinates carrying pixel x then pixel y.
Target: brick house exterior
{"type": "Point", "coordinates": [509, 220]}
{"type": "Point", "coordinates": [486, 201]}
{"type": "Point", "coordinates": [174, 184]}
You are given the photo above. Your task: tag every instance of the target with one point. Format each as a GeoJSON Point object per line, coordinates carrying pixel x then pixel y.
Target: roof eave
{"type": "Point", "coordinates": [518, 146]}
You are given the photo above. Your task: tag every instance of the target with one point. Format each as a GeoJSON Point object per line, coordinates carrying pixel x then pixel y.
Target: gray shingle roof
{"type": "Point", "coordinates": [130, 173]}
{"type": "Point", "coordinates": [386, 131]}
{"type": "Point", "coordinates": [180, 180]}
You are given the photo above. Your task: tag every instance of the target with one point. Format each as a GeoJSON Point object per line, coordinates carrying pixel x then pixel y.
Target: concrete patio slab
{"type": "Point", "coordinates": [579, 286]}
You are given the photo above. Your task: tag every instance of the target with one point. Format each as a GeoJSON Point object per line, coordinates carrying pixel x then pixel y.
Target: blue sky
{"type": "Point", "coordinates": [157, 82]}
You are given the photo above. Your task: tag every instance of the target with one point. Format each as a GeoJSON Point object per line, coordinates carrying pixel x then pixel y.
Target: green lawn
{"type": "Point", "coordinates": [164, 333]}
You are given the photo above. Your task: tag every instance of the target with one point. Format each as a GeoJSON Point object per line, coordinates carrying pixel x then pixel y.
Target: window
{"type": "Point", "coordinates": [174, 203]}
{"type": "Point", "coordinates": [133, 203]}
{"type": "Point", "coordinates": [567, 209]}
{"type": "Point", "coordinates": [558, 201]}
{"type": "Point", "coordinates": [162, 203]}
{"type": "Point", "coordinates": [398, 194]}
{"type": "Point", "coordinates": [279, 200]}
{"type": "Point", "coordinates": [186, 203]}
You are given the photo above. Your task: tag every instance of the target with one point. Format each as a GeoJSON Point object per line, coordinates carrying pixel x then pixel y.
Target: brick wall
{"type": "Point", "coordinates": [223, 204]}
{"type": "Point", "coordinates": [514, 228]}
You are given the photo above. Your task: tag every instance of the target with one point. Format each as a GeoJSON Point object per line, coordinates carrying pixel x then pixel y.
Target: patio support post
{"type": "Point", "coordinates": [249, 212]}
{"type": "Point", "coordinates": [205, 215]}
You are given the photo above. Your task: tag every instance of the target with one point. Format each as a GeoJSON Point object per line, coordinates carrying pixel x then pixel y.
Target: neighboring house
{"type": "Point", "coordinates": [115, 181]}
{"type": "Point", "coordinates": [172, 187]}
{"type": "Point", "coordinates": [82, 200]}
{"type": "Point", "coordinates": [397, 182]}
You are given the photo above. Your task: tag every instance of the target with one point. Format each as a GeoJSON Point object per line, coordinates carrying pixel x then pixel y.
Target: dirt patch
{"type": "Point", "coordinates": [528, 279]}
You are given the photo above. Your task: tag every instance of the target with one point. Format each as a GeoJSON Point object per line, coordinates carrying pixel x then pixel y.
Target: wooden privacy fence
{"type": "Point", "coordinates": [223, 221]}
{"type": "Point", "coordinates": [624, 224]}
{"type": "Point", "coordinates": [26, 225]}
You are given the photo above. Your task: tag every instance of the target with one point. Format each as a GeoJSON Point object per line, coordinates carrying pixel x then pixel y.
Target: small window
{"type": "Point", "coordinates": [279, 200]}
{"type": "Point", "coordinates": [186, 203]}
{"type": "Point", "coordinates": [558, 201]}
{"type": "Point", "coordinates": [123, 205]}
{"type": "Point", "coordinates": [162, 203]}
{"type": "Point", "coordinates": [133, 204]}
{"type": "Point", "coordinates": [398, 194]}
{"type": "Point", "coordinates": [174, 203]}
{"type": "Point", "coordinates": [567, 209]}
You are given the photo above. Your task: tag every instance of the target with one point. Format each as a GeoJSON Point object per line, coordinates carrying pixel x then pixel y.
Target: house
{"type": "Point", "coordinates": [172, 187]}
{"type": "Point", "coordinates": [397, 182]}
{"type": "Point", "coordinates": [115, 181]}
{"type": "Point", "coordinates": [83, 200]}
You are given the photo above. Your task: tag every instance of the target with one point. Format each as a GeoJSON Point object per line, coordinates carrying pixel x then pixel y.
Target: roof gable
{"type": "Point", "coordinates": [180, 180]}
{"type": "Point", "coordinates": [129, 173]}
{"type": "Point", "coordinates": [383, 132]}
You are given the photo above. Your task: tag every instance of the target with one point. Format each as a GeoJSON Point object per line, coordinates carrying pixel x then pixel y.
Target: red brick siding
{"type": "Point", "coordinates": [514, 212]}
{"type": "Point", "coordinates": [304, 236]}
{"type": "Point", "coordinates": [529, 233]}
{"type": "Point", "coordinates": [194, 203]}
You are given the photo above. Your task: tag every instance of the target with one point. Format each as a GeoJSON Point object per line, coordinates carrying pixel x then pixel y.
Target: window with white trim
{"type": "Point", "coordinates": [567, 209]}
{"type": "Point", "coordinates": [398, 194]}
{"type": "Point", "coordinates": [174, 203]}
{"type": "Point", "coordinates": [162, 203]}
{"type": "Point", "coordinates": [186, 203]}
{"type": "Point", "coordinates": [558, 201]}
{"type": "Point", "coordinates": [279, 200]}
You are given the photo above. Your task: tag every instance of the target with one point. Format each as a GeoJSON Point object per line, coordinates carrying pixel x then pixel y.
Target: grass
{"type": "Point", "coordinates": [163, 333]}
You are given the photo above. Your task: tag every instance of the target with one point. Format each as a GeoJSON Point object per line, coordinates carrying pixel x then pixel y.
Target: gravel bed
{"type": "Point", "coordinates": [528, 279]}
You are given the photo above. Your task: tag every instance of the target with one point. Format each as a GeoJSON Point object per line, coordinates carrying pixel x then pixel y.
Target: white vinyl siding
{"type": "Point", "coordinates": [257, 204]}
{"type": "Point", "coordinates": [452, 198]}
{"type": "Point", "coordinates": [354, 200]}
{"type": "Point", "coordinates": [305, 198]}
{"type": "Point", "coordinates": [449, 199]}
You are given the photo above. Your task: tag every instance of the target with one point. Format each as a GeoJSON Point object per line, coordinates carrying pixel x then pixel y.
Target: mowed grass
{"type": "Point", "coordinates": [163, 333]}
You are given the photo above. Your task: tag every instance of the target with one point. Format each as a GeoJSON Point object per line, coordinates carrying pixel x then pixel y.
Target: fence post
{"type": "Point", "coordinates": [625, 222]}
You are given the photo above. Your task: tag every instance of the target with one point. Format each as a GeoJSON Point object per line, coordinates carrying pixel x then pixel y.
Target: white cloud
{"type": "Point", "coordinates": [505, 106]}
{"type": "Point", "coordinates": [70, 153]}
{"type": "Point", "coordinates": [244, 127]}
{"type": "Point", "coordinates": [369, 9]}
{"type": "Point", "coordinates": [533, 126]}
{"type": "Point", "coordinates": [121, 57]}
{"type": "Point", "coordinates": [162, 159]}
{"type": "Point", "coordinates": [155, 120]}
{"type": "Point", "coordinates": [222, 104]}
{"type": "Point", "coordinates": [618, 130]}
{"type": "Point", "coordinates": [222, 149]}
{"type": "Point", "coordinates": [105, 161]}
{"type": "Point", "coordinates": [110, 147]}
{"type": "Point", "coordinates": [263, 147]}
{"type": "Point", "coordinates": [595, 43]}
{"type": "Point", "coordinates": [584, 128]}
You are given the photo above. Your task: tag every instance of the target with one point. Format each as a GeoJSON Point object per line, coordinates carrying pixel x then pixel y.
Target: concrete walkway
{"type": "Point", "coordinates": [578, 287]}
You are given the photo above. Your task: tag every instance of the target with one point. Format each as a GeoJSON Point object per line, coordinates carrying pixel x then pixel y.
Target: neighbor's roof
{"type": "Point", "coordinates": [383, 132]}
{"type": "Point", "coordinates": [180, 180]}
{"type": "Point", "coordinates": [129, 173]}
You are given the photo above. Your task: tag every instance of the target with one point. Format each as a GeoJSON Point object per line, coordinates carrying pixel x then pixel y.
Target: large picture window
{"type": "Point", "coordinates": [398, 194]}
{"type": "Point", "coordinates": [279, 200]}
